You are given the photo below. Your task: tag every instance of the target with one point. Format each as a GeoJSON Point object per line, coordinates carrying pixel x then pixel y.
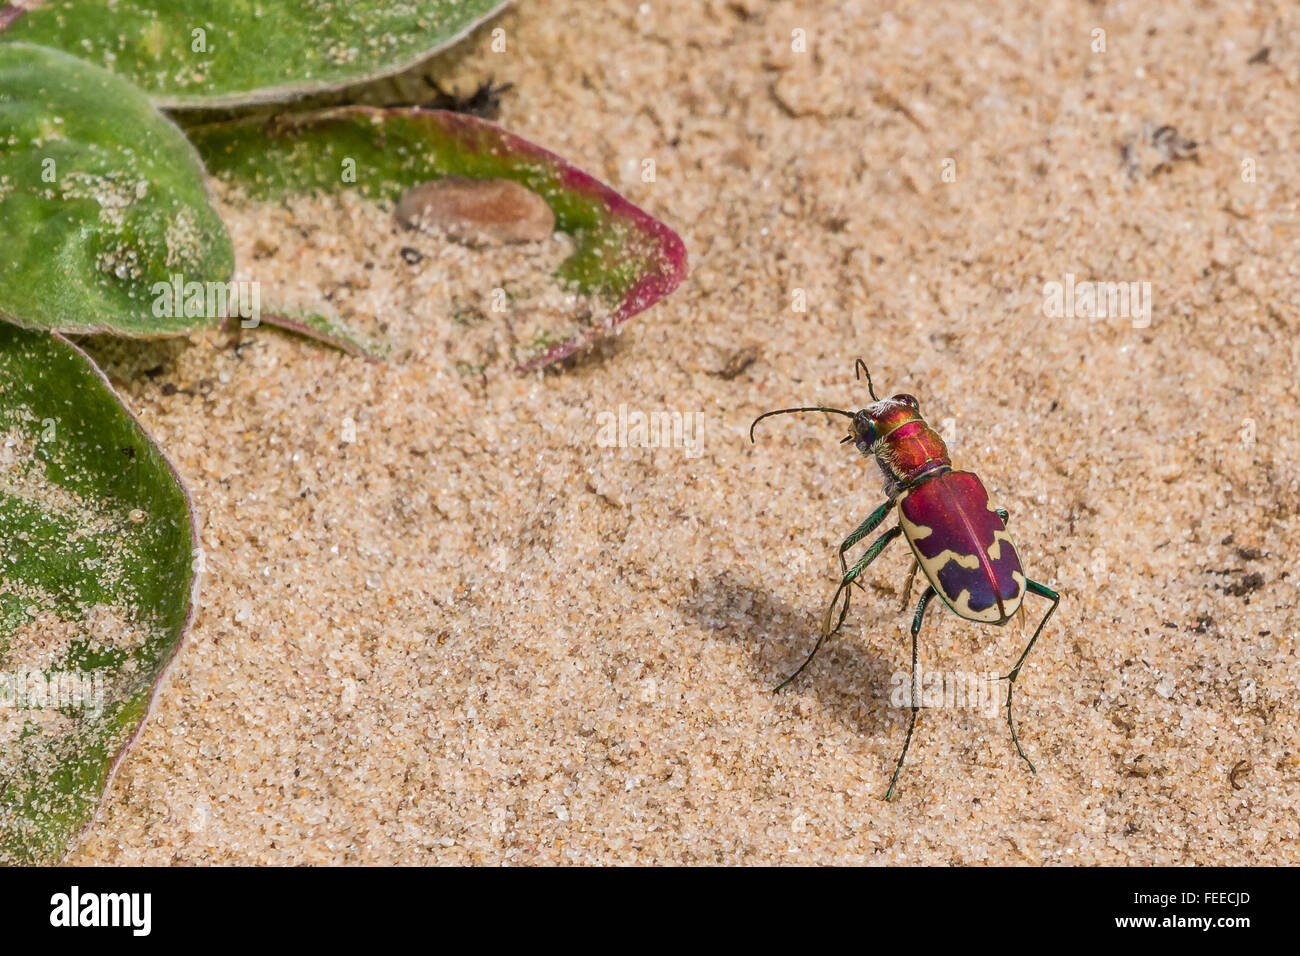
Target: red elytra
{"type": "Point", "coordinates": [962, 546]}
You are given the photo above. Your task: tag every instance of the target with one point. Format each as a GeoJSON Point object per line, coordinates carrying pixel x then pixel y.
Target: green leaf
{"type": "Point", "coordinates": [624, 257]}
{"type": "Point", "coordinates": [101, 197]}
{"type": "Point", "coordinates": [96, 582]}
{"type": "Point", "coordinates": [228, 52]}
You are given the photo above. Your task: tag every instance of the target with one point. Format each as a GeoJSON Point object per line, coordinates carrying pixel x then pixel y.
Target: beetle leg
{"type": "Point", "coordinates": [1042, 591]}
{"type": "Point", "coordinates": [871, 524]}
{"type": "Point", "coordinates": [907, 588]}
{"type": "Point", "coordinates": [872, 553]}
{"type": "Point", "coordinates": [916, 690]}
{"type": "Point", "coordinates": [1004, 514]}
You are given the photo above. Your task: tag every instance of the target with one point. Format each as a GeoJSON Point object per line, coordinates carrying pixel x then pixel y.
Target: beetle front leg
{"type": "Point", "coordinates": [850, 576]}
{"type": "Point", "coordinates": [871, 524]}
{"type": "Point", "coordinates": [1032, 587]}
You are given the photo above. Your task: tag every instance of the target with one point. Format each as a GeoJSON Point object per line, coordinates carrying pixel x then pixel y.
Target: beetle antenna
{"type": "Point", "coordinates": [859, 370]}
{"type": "Point", "coordinates": [787, 411]}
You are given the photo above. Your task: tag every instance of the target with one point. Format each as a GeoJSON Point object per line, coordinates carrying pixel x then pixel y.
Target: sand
{"type": "Point", "coordinates": [442, 623]}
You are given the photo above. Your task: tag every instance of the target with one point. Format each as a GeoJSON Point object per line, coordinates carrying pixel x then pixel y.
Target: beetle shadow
{"type": "Point", "coordinates": [850, 679]}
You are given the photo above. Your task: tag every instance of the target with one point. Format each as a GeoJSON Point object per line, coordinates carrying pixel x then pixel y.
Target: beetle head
{"type": "Point", "coordinates": [880, 419]}
{"type": "Point", "coordinates": [870, 428]}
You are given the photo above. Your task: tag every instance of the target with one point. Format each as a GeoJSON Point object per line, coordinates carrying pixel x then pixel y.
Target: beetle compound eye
{"type": "Point", "coordinates": [866, 430]}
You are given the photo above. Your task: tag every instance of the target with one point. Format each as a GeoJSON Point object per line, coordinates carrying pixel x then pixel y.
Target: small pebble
{"type": "Point", "coordinates": [477, 211]}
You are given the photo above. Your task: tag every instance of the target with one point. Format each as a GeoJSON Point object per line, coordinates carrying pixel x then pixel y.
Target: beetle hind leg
{"type": "Point", "coordinates": [915, 690]}
{"type": "Point", "coordinates": [907, 585]}
{"type": "Point", "coordinates": [1033, 587]}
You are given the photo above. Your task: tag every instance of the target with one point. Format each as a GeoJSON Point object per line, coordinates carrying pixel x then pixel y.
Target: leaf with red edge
{"type": "Point", "coordinates": [623, 256]}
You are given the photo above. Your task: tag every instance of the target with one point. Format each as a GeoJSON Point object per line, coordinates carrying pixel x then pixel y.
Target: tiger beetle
{"type": "Point", "coordinates": [959, 541]}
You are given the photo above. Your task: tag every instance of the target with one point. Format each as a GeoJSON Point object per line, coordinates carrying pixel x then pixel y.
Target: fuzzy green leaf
{"type": "Point", "coordinates": [101, 197]}
{"type": "Point", "coordinates": [96, 579]}
{"type": "Point", "coordinates": [624, 257]}
{"type": "Point", "coordinates": [228, 52]}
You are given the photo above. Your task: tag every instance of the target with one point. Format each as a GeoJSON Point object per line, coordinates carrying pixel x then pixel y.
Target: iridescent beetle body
{"type": "Point", "coordinates": [959, 541]}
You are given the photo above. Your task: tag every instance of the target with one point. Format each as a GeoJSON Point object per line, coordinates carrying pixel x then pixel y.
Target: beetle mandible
{"type": "Point", "coordinates": [959, 541]}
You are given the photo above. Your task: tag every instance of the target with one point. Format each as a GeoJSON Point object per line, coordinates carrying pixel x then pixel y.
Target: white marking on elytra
{"type": "Point", "coordinates": [995, 549]}
{"type": "Point", "coordinates": [961, 605]}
